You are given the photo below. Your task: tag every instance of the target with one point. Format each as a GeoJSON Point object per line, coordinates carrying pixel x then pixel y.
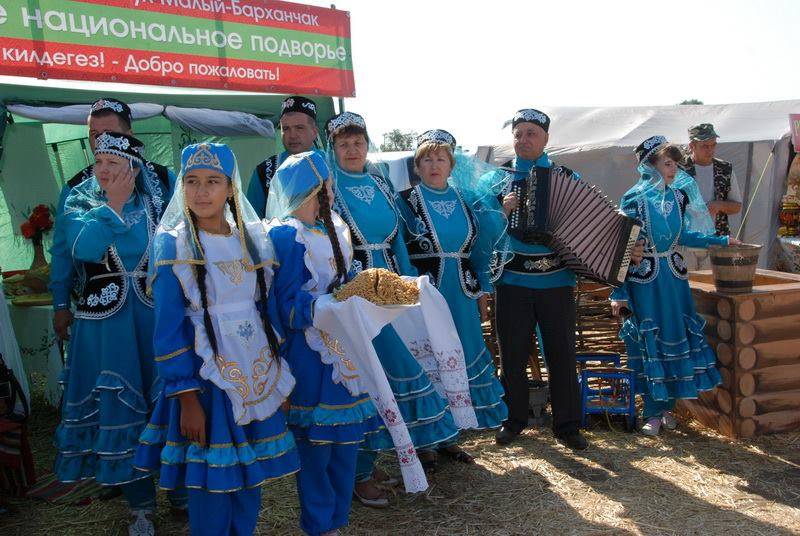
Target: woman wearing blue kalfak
{"type": "Point", "coordinates": [664, 334]}
{"type": "Point", "coordinates": [217, 427]}
{"type": "Point", "coordinates": [368, 204]}
{"type": "Point", "coordinates": [313, 249]}
{"type": "Point", "coordinates": [453, 229]}
{"type": "Point", "coordinates": [111, 381]}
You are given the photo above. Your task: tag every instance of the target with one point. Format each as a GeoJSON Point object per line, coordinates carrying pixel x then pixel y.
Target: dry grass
{"type": "Point", "coordinates": [690, 481]}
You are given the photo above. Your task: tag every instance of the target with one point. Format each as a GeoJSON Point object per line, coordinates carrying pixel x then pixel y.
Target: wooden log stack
{"type": "Point", "coordinates": [757, 341]}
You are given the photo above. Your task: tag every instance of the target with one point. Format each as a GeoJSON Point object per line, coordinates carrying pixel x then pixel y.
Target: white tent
{"type": "Point", "coordinates": [599, 142]}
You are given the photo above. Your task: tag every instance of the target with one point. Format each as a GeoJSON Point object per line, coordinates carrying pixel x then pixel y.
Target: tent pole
{"type": "Point", "coordinates": [341, 99]}
{"type": "Point", "coordinates": [58, 163]}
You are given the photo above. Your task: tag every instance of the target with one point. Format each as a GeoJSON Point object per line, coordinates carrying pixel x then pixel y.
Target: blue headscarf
{"type": "Point", "coordinates": [652, 188]}
{"type": "Point", "coordinates": [297, 179]}
{"type": "Point", "coordinates": [177, 221]}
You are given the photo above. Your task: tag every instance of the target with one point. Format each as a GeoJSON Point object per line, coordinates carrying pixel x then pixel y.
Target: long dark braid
{"type": "Point", "coordinates": [262, 284]}
{"type": "Point", "coordinates": [325, 214]}
{"type": "Point", "coordinates": [200, 275]}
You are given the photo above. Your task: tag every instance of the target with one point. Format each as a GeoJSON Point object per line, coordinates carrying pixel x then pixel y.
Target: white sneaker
{"type": "Point", "coordinates": [668, 420]}
{"type": "Point", "coordinates": [652, 426]}
{"type": "Point", "coordinates": [141, 525]}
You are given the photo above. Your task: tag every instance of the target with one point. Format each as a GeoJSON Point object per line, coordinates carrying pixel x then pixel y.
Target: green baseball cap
{"type": "Point", "coordinates": [702, 132]}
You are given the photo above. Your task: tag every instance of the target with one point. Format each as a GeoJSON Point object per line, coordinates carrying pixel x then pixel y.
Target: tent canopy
{"type": "Point", "coordinates": [581, 129]}
{"type": "Point", "coordinates": [43, 137]}
{"type": "Point", "coordinates": [599, 142]}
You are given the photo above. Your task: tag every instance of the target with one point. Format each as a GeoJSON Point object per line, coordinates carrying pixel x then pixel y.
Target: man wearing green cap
{"type": "Point", "coordinates": [714, 177]}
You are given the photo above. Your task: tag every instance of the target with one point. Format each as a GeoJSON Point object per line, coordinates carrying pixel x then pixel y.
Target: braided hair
{"type": "Point", "coordinates": [262, 285]}
{"type": "Point", "coordinates": [200, 275]}
{"type": "Point", "coordinates": [325, 214]}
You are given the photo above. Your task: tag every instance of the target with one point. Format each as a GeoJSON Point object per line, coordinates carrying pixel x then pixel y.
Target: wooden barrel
{"type": "Point", "coordinates": [734, 267]}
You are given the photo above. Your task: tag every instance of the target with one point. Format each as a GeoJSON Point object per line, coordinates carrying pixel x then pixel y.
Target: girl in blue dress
{"type": "Point", "coordinates": [664, 334]}
{"type": "Point", "coordinates": [451, 242]}
{"type": "Point", "coordinates": [313, 251]}
{"type": "Point", "coordinates": [217, 428]}
{"type": "Point", "coordinates": [367, 203]}
{"type": "Point", "coordinates": [110, 381]}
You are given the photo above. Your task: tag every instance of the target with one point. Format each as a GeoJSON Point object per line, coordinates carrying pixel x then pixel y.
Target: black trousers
{"type": "Point", "coordinates": [518, 311]}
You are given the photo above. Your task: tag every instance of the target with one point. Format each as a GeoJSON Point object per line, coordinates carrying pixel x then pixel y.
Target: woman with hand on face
{"type": "Point", "coordinates": [664, 334]}
{"type": "Point", "coordinates": [451, 241]}
{"type": "Point", "coordinates": [367, 202]}
{"type": "Point", "coordinates": [217, 428]}
{"type": "Point", "coordinates": [110, 380]}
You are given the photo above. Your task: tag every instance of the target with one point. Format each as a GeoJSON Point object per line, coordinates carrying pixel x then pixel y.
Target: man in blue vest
{"type": "Point", "coordinates": [105, 115]}
{"type": "Point", "coordinates": [298, 122]}
{"type": "Point", "coordinates": [535, 290]}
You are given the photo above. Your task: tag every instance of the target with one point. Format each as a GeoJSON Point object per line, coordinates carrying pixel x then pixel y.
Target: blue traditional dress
{"type": "Point", "coordinates": [367, 204]}
{"type": "Point", "coordinates": [258, 188]}
{"type": "Point", "coordinates": [62, 269]}
{"type": "Point", "coordinates": [328, 422]}
{"type": "Point", "coordinates": [111, 381]}
{"type": "Point", "coordinates": [238, 381]}
{"type": "Point", "coordinates": [664, 337]}
{"type": "Point", "coordinates": [442, 231]}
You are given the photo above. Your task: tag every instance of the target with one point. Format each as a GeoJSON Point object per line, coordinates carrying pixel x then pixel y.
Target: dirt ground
{"type": "Point", "coordinates": [690, 481]}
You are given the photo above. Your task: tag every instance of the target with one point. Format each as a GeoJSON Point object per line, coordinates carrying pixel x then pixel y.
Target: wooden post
{"type": "Point", "coordinates": [763, 403]}
{"type": "Point", "coordinates": [724, 308]}
{"type": "Point", "coordinates": [725, 354]}
{"type": "Point", "coordinates": [768, 329]}
{"type": "Point", "coordinates": [770, 380]}
{"type": "Point", "coordinates": [778, 421]}
{"type": "Point", "coordinates": [769, 354]}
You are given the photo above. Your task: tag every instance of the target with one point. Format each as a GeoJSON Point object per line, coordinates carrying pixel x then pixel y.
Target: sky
{"type": "Point", "coordinates": [467, 66]}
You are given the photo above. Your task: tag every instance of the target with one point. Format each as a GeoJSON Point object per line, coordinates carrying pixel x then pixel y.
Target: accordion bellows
{"type": "Point", "coordinates": [381, 287]}
{"type": "Point", "coordinates": [577, 221]}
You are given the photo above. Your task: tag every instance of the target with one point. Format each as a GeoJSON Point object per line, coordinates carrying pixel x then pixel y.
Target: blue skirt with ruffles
{"type": "Point", "coordinates": [235, 457]}
{"type": "Point", "coordinates": [322, 411]}
{"type": "Point", "coordinates": [110, 384]}
{"type": "Point", "coordinates": [665, 341]}
{"type": "Point", "coordinates": [424, 411]}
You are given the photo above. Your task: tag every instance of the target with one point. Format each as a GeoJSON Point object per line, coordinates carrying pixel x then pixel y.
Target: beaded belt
{"type": "Point", "coordinates": [439, 255]}
{"type": "Point", "coordinates": [542, 263]}
{"type": "Point", "coordinates": [373, 247]}
{"type": "Point", "coordinates": [135, 274]}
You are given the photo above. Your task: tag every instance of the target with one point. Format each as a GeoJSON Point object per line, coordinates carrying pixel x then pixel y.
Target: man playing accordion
{"type": "Point", "coordinates": [535, 289]}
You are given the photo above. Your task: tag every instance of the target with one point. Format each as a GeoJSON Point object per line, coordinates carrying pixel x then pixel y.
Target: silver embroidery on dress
{"type": "Point", "coordinates": [443, 208]}
{"type": "Point", "coordinates": [364, 193]}
{"type": "Point", "coordinates": [108, 294]}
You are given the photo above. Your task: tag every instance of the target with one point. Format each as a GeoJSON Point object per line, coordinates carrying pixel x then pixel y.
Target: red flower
{"type": "Point", "coordinates": [41, 221]}
{"type": "Point", "coordinates": [27, 229]}
{"type": "Point", "coordinates": [38, 222]}
{"type": "Point", "coordinates": [41, 209]}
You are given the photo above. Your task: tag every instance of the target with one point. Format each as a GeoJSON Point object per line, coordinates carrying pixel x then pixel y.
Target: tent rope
{"type": "Point", "coordinates": [755, 192]}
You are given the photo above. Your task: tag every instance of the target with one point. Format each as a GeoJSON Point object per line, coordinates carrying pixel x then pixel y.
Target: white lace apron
{"type": "Point", "coordinates": [254, 380]}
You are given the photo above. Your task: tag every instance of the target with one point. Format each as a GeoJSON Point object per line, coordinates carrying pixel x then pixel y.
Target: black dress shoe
{"type": "Point", "coordinates": [505, 435]}
{"type": "Point", "coordinates": [573, 440]}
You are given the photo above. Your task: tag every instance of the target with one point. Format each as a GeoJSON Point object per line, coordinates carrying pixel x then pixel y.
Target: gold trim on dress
{"type": "Point", "coordinates": [230, 371]}
{"type": "Point", "coordinates": [233, 269]}
{"type": "Point", "coordinates": [173, 354]}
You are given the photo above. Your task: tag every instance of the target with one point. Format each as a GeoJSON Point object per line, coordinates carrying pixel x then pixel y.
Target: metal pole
{"type": "Point", "coordinates": [340, 99]}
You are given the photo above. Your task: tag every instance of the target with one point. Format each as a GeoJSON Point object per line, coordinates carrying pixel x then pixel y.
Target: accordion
{"type": "Point", "coordinates": [581, 225]}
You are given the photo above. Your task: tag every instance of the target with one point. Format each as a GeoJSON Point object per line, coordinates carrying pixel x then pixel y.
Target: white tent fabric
{"type": "Point", "coordinates": [77, 114]}
{"type": "Point", "coordinates": [219, 122]}
{"type": "Point", "coordinates": [203, 120]}
{"type": "Point", "coordinates": [599, 142]}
